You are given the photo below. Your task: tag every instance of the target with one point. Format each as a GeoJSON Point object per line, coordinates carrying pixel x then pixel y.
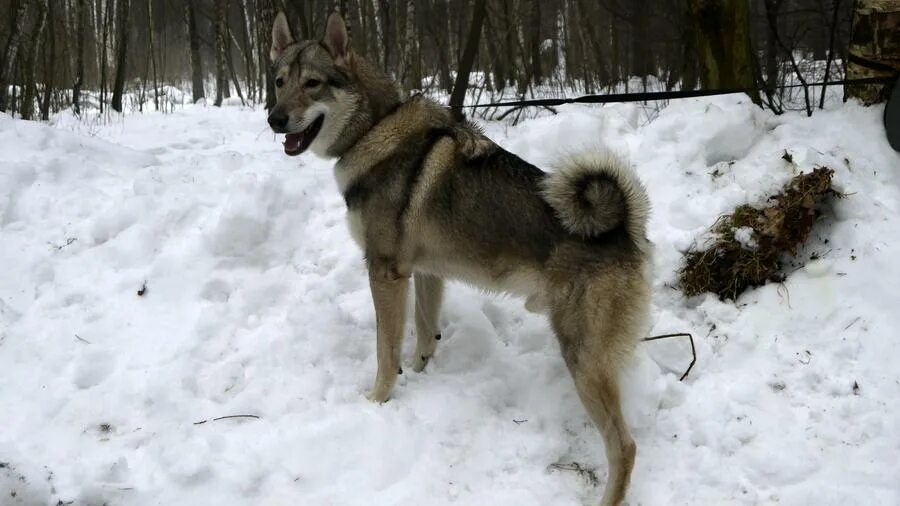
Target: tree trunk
{"type": "Point", "coordinates": [104, 26]}
{"type": "Point", "coordinates": [380, 28]}
{"type": "Point", "coordinates": [231, 70]}
{"type": "Point", "coordinates": [48, 64]}
{"type": "Point", "coordinates": [221, 27]}
{"type": "Point", "coordinates": [494, 54]}
{"type": "Point", "coordinates": [265, 20]}
{"type": "Point", "coordinates": [30, 65]}
{"type": "Point", "coordinates": [387, 36]}
{"type": "Point", "coordinates": [123, 29]}
{"type": "Point", "coordinates": [411, 78]}
{"type": "Point", "coordinates": [467, 60]}
{"type": "Point", "coordinates": [12, 51]}
{"type": "Point", "coordinates": [150, 30]}
{"type": "Point", "coordinates": [642, 61]}
{"type": "Point", "coordinates": [772, 50]}
{"type": "Point", "coordinates": [190, 18]}
{"type": "Point", "coordinates": [248, 49]}
{"type": "Point", "coordinates": [722, 28]}
{"type": "Point", "coordinates": [80, 11]}
{"type": "Point", "coordinates": [535, 42]}
{"type": "Point", "coordinates": [874, 48]}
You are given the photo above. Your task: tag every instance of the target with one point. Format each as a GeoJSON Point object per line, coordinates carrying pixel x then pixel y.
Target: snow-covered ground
{"type": "Point", "coordinates": [256, 303]}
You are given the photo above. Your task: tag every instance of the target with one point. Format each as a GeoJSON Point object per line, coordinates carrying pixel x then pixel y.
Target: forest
{"type": "Point", "coordinates": [116, 54]}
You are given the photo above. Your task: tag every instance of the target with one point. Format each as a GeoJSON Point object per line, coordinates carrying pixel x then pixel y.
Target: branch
{"type": "Point", "coordinates": [693, 349]}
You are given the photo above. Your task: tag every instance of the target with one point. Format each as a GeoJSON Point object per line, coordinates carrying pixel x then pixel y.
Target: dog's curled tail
{"type": "Point", "coordinates": [595, 192]}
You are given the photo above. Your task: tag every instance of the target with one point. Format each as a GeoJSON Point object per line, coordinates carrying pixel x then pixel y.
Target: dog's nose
{"type": "Point", "coordinates": [278, 120]}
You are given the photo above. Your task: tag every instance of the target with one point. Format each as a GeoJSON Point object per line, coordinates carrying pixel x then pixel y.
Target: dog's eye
{"type": "Point", "coordinates": [279, 82]}
{"type": "Point", "coordinates": [312, 83]}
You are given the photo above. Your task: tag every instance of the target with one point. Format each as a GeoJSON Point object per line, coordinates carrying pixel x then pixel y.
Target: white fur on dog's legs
{"type": "Point", "coordinates": [429, 293]}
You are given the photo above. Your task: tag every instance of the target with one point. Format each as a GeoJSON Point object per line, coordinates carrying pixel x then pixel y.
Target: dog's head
{"type": "Point", "coordinates": [312, 86]}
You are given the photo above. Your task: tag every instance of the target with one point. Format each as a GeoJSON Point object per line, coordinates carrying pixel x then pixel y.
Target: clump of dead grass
{"type": "Point", "coordinates": [729, 266]}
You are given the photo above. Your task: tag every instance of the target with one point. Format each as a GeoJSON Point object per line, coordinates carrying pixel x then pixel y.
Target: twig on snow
{"type": "Point", "coordinates": [589, 474]}
{"type": "Point", "coordinates": [693, 349]}
{"type": "Point", "coordinates": [201, 422]}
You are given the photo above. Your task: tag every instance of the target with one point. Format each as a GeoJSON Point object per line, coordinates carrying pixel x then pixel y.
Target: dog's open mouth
{"type": "Point", "coordinates": [296, 143]}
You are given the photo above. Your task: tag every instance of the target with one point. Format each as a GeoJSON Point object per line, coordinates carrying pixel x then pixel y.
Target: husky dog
{"type": "Point", "coordinates": [431, 198]}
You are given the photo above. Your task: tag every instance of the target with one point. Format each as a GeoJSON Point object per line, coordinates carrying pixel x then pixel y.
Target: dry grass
{"type": "Point", "coordinates": [728, 267]}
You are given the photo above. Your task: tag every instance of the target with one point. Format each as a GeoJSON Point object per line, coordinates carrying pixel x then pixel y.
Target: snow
{"type": "Point", "coordinates": [256, 303]}
{"type": "Point", "coordinates": [744, 236]}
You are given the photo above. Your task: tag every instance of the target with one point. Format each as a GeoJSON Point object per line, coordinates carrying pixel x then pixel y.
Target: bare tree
{"type": "Point", "coordinates": [30, 66]}
{"type": "Point", "coordinates": [104, 26]}
{"type": "Point", "coordinates": [249, 69]}
{"type": "Point", "coordinates": [80, 12]}
{"type": "Point", "coordinates": [150, 33]}
{"type": "Point", "coordinates": [467, 60]}
{"type": "Point", "coordinates": [12, 51]}
{"type": "Point", "coordinates": [122, 15]}
{"type": "Point", "coordinates": [265, 18]}
{"type": "Point", "coordinates": [534, 41]}
{"type": "Point", "coordinates": [49, 55]}
{"type": "Point", "coordinates": [190, 19]}
{"type": "Point", "coordinates": [409, 58]}
{"type": "Point", "coordinates": [221, 27]}
{"type": "Point", "coordinates": [722, 29]}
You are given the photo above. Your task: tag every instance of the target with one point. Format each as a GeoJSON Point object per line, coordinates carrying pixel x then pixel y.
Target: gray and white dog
{"type": "Point", "coordinates": [431, 198]}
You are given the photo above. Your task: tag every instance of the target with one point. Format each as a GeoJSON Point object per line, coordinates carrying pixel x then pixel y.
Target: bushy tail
{"type": "Point", "coordinates": [596, 192]}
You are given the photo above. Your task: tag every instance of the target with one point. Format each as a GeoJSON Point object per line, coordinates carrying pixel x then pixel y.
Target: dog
{"type": "Point", "coordinates": [431, 198]}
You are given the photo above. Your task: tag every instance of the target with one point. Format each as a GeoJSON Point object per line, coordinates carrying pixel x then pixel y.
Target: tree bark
{"type": "Point", "coordinates": [772, 49]}
{"type": "Point", "coordinates": [248, 49]}
{"type": "Point", "coordinates": [80, 11]}
{"type": "Point", "coordinates": [265, 20]}
{"type": "Point", "coordinates": [874, 48]}
{"type": "Point", "coordinates": [30, 65]}
{"type": "Point", "coordinates": [150, 30]}
{"type": "Point", "coordinates": [194, 41]}
{"type": "Point", "coordinates": [123, 29]}
{"type": "Point", "coordinates": [410, 75]}
{"type": "Point", "coordinates": [722, 28]}
{"type": "Point", "coordinates": [221, 27]}
{"type": "Point", "coordinates": [467, 60]}
{"type": "Point", "coordinates": [49, 69]}
{"type": "Point", "coordinates": [12, 51]}
{"type": "Point", "coordinates": [380, 27]}
{"type": "Point", "coordinates": [534, 39]}
{"type": "Point", "coordinates": [104, 27]}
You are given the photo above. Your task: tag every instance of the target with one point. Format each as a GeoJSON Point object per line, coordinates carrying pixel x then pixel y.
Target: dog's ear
{"type": "Point", "coordinates": [281, 36]}
{"type": "Point", "coordinates": [336, 39]}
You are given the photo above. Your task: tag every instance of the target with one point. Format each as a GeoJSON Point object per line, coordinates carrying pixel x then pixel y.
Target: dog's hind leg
{"type": "Point", "coordinates": [429, 292]}
{"type": "Point", "coordinates": [596, 332]}
{"type": "Point", "coordinates": [389, 296]}
{"type": "Point", "coordinates": [599, 392]}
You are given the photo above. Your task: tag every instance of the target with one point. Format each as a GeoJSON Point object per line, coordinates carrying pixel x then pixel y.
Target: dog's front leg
{"type": "Point", "coordinates": [389, 295]}
{"type": "Point", "coordinates": [429, 292]}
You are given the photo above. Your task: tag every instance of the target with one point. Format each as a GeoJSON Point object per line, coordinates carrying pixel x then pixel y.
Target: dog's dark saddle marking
{"type": "Point", "coordinates": [406, 163]}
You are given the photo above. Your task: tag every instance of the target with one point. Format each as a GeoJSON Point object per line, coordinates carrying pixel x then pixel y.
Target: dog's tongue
{"type": "Point", "coordinates": [292, 144]}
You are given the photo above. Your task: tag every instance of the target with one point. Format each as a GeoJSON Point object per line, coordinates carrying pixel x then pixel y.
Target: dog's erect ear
{"type": "Point", "coordinates": [281, 36]}
{"type": "Point", "coordinates": [336, 39]}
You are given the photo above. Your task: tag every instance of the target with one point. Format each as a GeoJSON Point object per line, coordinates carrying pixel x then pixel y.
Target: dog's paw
{"type": "Point", "coordinates": [381, 392]}
{"type": "Point", "coordinates": [379, 396]}
{"type": "Point", "coordinates": [420, 362]}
